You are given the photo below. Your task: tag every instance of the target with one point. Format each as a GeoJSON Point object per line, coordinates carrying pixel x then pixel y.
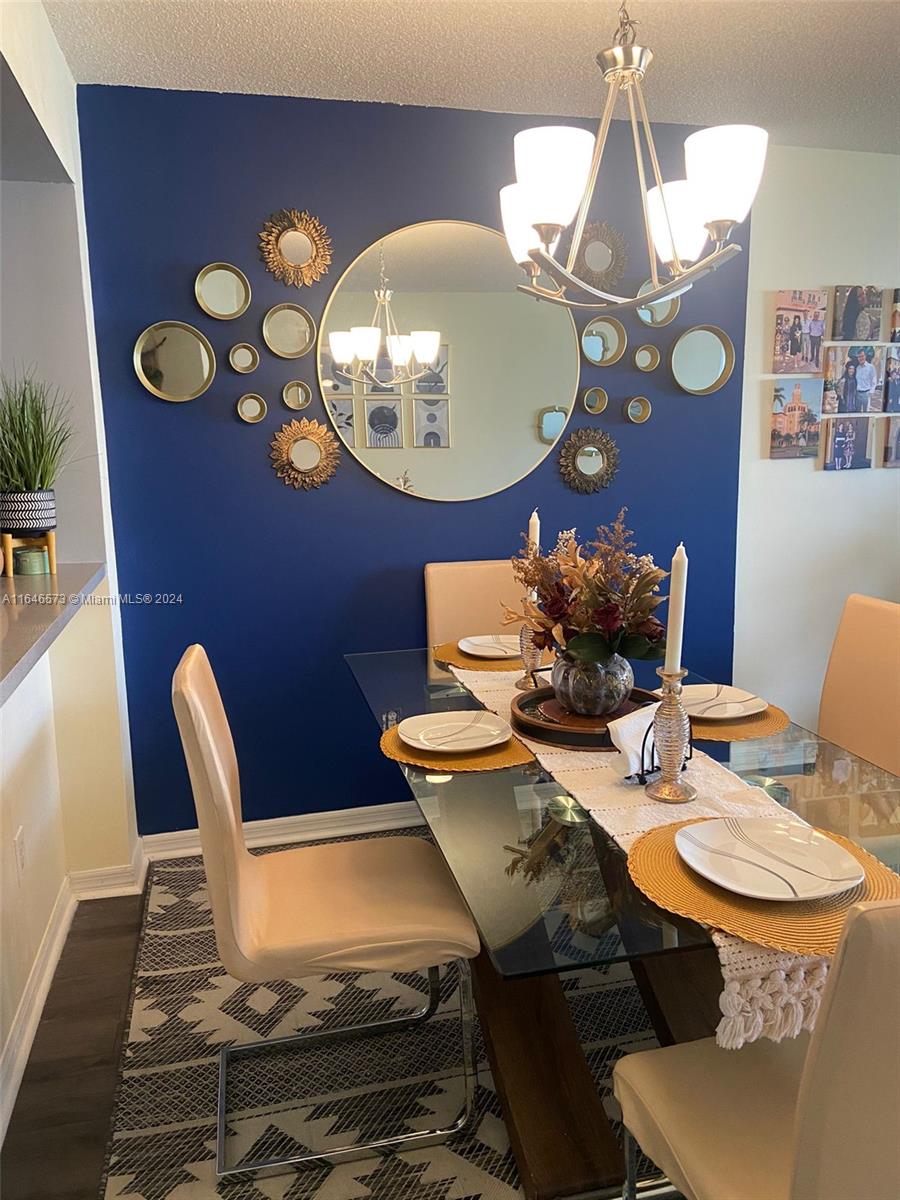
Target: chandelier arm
{"type": "Point", "coordinates": [677, 266]}
{"type": "Point", "coordinates": [564, 278]}
{"type": "Point", "coordinates": [599, 146]}
{"type": "Point", "coordinates": [642, 183]}
{"type": "Point", "coordinates": [689, 276]}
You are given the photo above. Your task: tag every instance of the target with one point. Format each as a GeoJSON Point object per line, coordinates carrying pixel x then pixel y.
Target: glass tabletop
{"type": "Point", "coordinates": [548, 889]}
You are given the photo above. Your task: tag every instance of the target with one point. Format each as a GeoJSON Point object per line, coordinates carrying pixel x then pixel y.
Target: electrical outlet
{"type": "Point", "coordinates": [19, 847]}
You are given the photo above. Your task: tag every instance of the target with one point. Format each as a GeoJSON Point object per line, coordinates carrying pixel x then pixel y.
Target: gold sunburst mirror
{"type": "Point", "coordinates": [602, 255]}
{"type": "Point", "coordinates": [304, 454]}
{"type": "Point", "coordinates": [295, 247]}
{"type": "Point", "coordinates": [588, 460]}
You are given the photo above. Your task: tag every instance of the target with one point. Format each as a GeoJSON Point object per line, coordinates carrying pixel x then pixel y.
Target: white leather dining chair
{"type": "Point", "coordinates": [463, 599]}
{"type": "Point", "coordinates": [860, 705]}
{"type": "Point", "coordinates": [812, 1118]}
{"type": "Point", "coordinates": [380, 904]}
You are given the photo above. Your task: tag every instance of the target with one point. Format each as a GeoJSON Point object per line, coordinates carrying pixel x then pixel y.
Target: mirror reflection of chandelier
{"type": "Point", "coordinates": [557, 168]}
{"type": "Point", "coordinates": [356, 351]}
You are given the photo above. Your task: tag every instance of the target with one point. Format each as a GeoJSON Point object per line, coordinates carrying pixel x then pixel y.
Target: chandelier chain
{"type": "Point", "coordinates": [627, 30]}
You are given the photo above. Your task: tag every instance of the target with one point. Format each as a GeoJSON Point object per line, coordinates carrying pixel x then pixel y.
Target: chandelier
{"type": "Point", "coordinates": [687, 222]}
{"type": "Point", "coordinates": [356, 351]}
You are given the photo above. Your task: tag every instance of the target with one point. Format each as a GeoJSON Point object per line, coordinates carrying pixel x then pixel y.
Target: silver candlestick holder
{"type": "Point", "coordinates": [531, 658]}
{"type": "Point", "coordinates": [672, 736]}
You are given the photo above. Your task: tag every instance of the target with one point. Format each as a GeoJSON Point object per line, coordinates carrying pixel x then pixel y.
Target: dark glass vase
{"type": "Point", "coordinates": [592, 688]}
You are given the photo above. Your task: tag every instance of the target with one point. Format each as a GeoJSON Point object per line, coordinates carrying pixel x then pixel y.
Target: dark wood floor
{"type": "Point", "coordinates": [57, 1135]}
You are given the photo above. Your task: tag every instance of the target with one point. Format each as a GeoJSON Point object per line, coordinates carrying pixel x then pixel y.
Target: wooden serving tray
{"type": "Point", "coordinates": [539, 716]}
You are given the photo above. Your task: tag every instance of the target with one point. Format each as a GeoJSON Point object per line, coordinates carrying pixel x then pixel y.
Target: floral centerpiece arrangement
{"type": "Point", "coordinates": [595, 605]}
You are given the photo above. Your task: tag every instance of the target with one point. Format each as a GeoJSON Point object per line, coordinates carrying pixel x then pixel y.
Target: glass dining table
{"type": "Point", "coordinates": [550, 893]}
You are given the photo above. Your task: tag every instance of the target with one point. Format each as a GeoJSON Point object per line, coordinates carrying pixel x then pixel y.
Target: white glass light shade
{"type": "Point", "coordinates": [725, 165]}
{"type": "Point", "coordinates": [341, 345]}
{"type": "Point", "coordinates": [518, 217]}
{"type": "Point", "coordinates": [400, 348]}
{"type": "Point", "coordinates": [684, 225]}
{"type": "Point", "coordinates": [425, 345]}
{"type": "Point", "coordinates": [366, 342]}
{"type": "Point", "coordinates": [553, 163]}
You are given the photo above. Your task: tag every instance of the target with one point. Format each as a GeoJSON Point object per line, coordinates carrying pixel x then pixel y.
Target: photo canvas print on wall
{"type": "Point", "coordinates": [892, 443]}
{"type": "Point", "coordinates": [847, 443]}
{"type": "Point", "coordinates": [800, 327]}
{"type": "Point", "coordinates": [854, 379]}
{"type": "Point", "coordinates": [894, 331]}
{"type": "Point", "coordinates": [432, 422]}
{"type": "Point", "coordinates": [796, 412]}
{"type": "Point", "coordinates": [892, 380]}
{"type": "Point", "coordinates": [857, 313]}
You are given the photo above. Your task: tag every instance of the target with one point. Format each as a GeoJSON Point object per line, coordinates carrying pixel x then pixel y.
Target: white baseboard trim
{"type": "Point", "coordinates": [24, 1025]}
{"type": "Point", "coordinates": [304, 827]}
{"type": "Point", "coordinates": [125, 880]}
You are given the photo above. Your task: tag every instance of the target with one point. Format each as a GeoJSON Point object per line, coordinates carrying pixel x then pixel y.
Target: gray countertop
{"type": "Point", "coordinates": [34, 610]}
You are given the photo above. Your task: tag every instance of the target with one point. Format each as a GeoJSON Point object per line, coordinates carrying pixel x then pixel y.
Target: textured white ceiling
{"type": "Point", "coordinates": [813, 72]}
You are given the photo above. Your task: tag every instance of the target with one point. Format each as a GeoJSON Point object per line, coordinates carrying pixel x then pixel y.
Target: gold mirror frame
{"type": "Point", "coordinates": [598, 406]}
{"type": "Point", "coordinates": [623, 341]}
{"type": "Point", "coordinates": [671, 308]}
{"type": "Point", "coordinates": [298, 431]}
{"type": "Point", "coordinates": [575, 478]}
{"type": "Point", "coordinates": [654, 357]}
{"type": "Point", "coordinates": [305, 390]}
{"type": "Point", "coordinates": [263, 408]}
{"type": "Point", "coordinates": [198, 290]}
{"type": "Point", "coordinates": [725, 374]}
{"type": "Point", "coordinates": [543, 412]}
{"type": "Point", "coordinates": [602, 231]}
{"type": "Point", "coordinates": [254, 353]}
{"type": "Point", "coordinates": [277, 308]}
{"type": "Point", "coordinates": [637, 409]}
{"type": "Point", "coordinates": [139, 368]}
{"type": "Point", "coordinates": [294, 274]}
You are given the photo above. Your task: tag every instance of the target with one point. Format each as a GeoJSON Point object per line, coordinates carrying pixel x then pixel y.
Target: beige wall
{"type": "Point", "coordinates": [808, 538]}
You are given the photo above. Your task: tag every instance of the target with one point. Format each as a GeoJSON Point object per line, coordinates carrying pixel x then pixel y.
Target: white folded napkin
{"type": "Point", "coordinates": [628, 734]}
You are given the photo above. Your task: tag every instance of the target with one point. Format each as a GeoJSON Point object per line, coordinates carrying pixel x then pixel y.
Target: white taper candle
{"type": "Point", "coordinates": [675, 623]}
{"type": "Point", "coordinates": [534, 531]}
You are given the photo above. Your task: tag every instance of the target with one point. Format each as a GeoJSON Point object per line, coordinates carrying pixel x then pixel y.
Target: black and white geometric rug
{"type": "Point", "coordinates": [185, 1007]}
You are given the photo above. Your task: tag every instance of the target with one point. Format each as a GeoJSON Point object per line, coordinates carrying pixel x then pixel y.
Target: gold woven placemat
{"type": "Point", "coordinates": [763, 724]}
{"type": "Point", "coordinates": [800, 927]}
{"type": "Point", "coordinates": [449, 652]}
{"type": "Point", "coordinates": [511, 754]}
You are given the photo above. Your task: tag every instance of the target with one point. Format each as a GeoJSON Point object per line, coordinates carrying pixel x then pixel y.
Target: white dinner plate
{"type": "Point", "coordinates": [719, 701]}
{"type": "Point", "coordinates": [768, 858]}
{"type": "Point", "coordinates": [454, 732]}
{"type": "Point", "coordinates": [490, 645]}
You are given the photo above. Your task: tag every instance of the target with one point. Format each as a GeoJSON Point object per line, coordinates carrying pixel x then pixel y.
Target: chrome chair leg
{"type": "Point", "coordinates": [629, 1191]}
{"type": "Point", "coordinates": [404, 1141]}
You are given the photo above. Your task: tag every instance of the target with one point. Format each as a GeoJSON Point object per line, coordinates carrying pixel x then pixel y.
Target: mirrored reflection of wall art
{"type": "Point", "coordinates": [436, 380]}
{"type": "Point", "coordinates": [795, 423]}
{"type": "Point", "coordinates": [892, 443]}
{"type": "Point", "coordinates": [384, 423]}
{"type": "Point", "coordinates": [296, 394]}
{"type": "Point", "coordinates": [243, 358]}
{"type": "Point", "coordinates": [858, 313]}
{"type": "Point", "coordinates": [174, 361]}
{"type": "Point", "coordinates": [383, 371]}
{"type": "Point", "coordinates": [431, 421]}
{"type": "Point", "coordinates": [801, 325]}
{"type": "Point", "coordinates": [848, 443]}
{"type": "Point", "coordinates": [251, 408]}
{"type": "Point", "coordinates": [341, 412]}
{"type": "Point", "coordinates": [603, 341]}
{"type": "Point", "coordinates": [854, 379]}
{"type": "Point", "coordinates": [333, 383]}
{"type": "Point", "coordinates": [295, 247]}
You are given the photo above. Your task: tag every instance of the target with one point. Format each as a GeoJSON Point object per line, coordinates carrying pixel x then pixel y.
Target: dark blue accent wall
{"type": "Point", "coordinates": [277, 584]}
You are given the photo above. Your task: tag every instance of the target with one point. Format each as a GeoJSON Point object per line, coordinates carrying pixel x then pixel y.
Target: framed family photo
{"type": "Point", "coordinates": [854, 379]}
{"type": "Point", "coordinates": [847, 443]}
{"type": "Point", "coordinates": [800, 324]}
{"type": "Point", "coordinates": [796, 418]}
{"type": "Point", "coordinates": [858, 313]}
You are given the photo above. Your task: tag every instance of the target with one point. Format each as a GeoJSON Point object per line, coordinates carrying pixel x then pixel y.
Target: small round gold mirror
{"type": "Point", "coordinates": [289, 331]}
{"type": "Point", "coordinates": [595, 400]}
{"type": "Point", "coordinates": [304, 454]}
{"type": "Point", "coordinates": [646, 358]}
{"type": "Point", "coordinates": [702, 360]}
{"type": "Point", "coordinates": [251, 408]}
{"type": "Point", "coordinates": [603, 341]}
{"type": "Point", "coordinates": [174, 361]}
{"type": "Point", "coordinates": [661, 312]}
{"type": "Point", "coordinates": [295, 247]}
{"type": "Point", "coordinates": [296, 394]}
{"type": "Point", "coordinates": [588, 460]}
{"type": "Point", "coordinates": [244, 358]}
{"type": "Point", "coordinates": [222, 291]}
{"type": "Point", "coordinates": [637, 410]}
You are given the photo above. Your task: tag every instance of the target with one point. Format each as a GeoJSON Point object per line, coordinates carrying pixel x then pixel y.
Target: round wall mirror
{"type": "Point", "coordinates": [288, 330]}
{"type": "Point", "coordinates": [295, 247]}
{"type": "Point", "coordinates": [505, 376]}
{"type": "Point", "coordinates": [603, 341]}
{"type": "Point", "coordinates": [637, 410]}
{"type": "Point", "coordinates": [251, 408]}
{"type": "Point", "coordinates": [702, 360]}
{"type": "Point", "coordinates": [646, 358]}
{"type": "Point", "coordinates": [174, 361]}
{"type": "Point", "coordinates": [589, 460]}
{"type": "Point", "coordinates": [601, 256]}
{"type": "Point", "coordinates": [222, 291]}
{"type": "Point", "coordinates": [296, 394]}
{"type": "Point", "coordinates": [244, 358]}
{"type": "Point", "coordinates": [595, 400]}
{"type": "Point", "coordinates": [662, 312]}
{"type": "Point", "coordinates": [305, 454]}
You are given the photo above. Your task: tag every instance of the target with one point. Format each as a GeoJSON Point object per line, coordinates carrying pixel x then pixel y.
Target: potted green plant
{"type": "Point", "coordinates": [34, 433]}
{"type": "Point", "coordinates": [595, 606]}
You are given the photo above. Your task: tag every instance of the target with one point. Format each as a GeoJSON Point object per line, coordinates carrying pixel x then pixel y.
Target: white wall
{"type": "Point", "coordinates": [808, 538]}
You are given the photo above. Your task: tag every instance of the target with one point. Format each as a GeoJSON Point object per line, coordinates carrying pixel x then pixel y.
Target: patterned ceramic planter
{"type": "Point", "coordinates": [27, 514]}
{"type": "Point", "coordinates": [592, 688]}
